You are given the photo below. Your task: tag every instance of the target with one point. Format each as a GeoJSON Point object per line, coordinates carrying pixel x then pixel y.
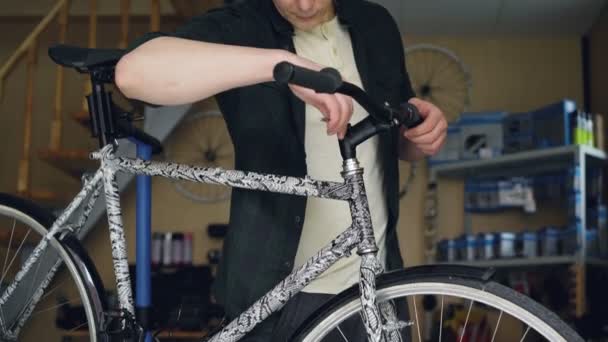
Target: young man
{"type": "Point", "coordinates": [231, 52]}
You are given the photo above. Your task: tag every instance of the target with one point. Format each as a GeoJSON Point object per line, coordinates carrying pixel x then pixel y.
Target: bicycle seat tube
{"type": "Point", "coordinates": [352, 173]}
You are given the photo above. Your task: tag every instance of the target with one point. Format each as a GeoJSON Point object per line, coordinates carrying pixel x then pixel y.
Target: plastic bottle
{"type": "Point", "coordinates": [167, 248]}
{"type": "Point", "coordinates": [157, 249]}
{"type": "Point", "coordinates": [178, 249]}
{"type": "Point", "coordinates": [187, 259]}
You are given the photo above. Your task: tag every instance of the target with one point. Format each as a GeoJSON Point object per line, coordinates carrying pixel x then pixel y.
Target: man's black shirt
{"type": "Point", "coordinates": [266, 124]}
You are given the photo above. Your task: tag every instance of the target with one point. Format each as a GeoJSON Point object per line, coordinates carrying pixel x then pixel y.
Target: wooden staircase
{"type": "Point", "coordinates": [82, 117]}
{"type": "Point", "coordinates": [73, 162]}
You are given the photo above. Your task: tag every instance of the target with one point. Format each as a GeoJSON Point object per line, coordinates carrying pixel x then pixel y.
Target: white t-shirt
{"type": "Point", "coordinates": [329, 44]}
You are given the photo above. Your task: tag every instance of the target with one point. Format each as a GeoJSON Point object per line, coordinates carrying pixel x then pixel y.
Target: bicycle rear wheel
{"type": "Point", "coordinates": [69, 300]}
{"type": "Point", "coordinates": [445, 304]}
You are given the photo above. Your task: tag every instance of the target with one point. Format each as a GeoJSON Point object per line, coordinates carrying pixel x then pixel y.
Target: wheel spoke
{"type": "Point", "coordinates": [342, 334]}
{"type": "Point", "coordinates": [441, 320]}
{"type": "Point", "coordinates": [225, 149]}
{"type": "Point", "coordinates": [204, 131]}
{"type": "Point", "coordinates": [10, 241]}
{"type": "Point", "coordinates": [15, 256]}
{"type": "Point", "coordinates": [430, 63]}
{"type": "Point", "coordinates": [49, 292]}
{"type": "Point", "coordinates": [497, 324]}
{"type": "Point", "coordinates": [525, 333]}
{"type": "Point", "coordinates": [33, 282]}
{"type": "Point", "coordinates": [464, 328]}
{"type": "Point", "coordinates": [67, 302]}
{"type": "Point", "coordinates": [220, 131]}
{"type": "Point", "coordinates": [31, 304]}
{"type": "Point", "coordinates": [78, 327]}
{"type": "Point", "coordinates": [205, 141]}
{"type": "Point", "coordinates": [417, 321]}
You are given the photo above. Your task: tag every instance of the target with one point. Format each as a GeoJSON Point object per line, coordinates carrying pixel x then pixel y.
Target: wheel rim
{"type": "Point", "coordinates": [201, 140]}
{"type": "Point", "coordinates": [439, 76]}
{"type": "Point", "coordinates": [20, 230]}
{"type": "Point", "coordinates": [443, 289]}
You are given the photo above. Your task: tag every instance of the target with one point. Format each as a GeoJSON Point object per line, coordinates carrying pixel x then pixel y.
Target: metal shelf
{"type": "Point", "coordinates": [532, 262]}
{"type": "Point", "coordinates": [523, 163]}
{"type": "Point", "coordinates": [531, 163]}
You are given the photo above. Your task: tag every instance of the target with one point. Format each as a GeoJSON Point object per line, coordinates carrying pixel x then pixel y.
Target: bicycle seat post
{"type": "Point", "coordinates": [103, 125]}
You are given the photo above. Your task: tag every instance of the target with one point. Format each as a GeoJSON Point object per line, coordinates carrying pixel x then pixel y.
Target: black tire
{"type": "Point", "coordinates": [84, 280]}
{"type": "Point", "coordinates": [471, 280]}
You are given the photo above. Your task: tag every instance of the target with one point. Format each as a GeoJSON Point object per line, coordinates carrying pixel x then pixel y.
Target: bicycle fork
{"type": "Point", "coordinates": [373, 316]}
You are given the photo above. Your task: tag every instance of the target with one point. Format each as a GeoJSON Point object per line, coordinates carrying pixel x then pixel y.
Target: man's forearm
{"type": "Point", "coordinates": [173, 71]}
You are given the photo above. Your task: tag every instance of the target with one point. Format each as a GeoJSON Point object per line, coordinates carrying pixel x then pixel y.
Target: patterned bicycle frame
{"type": "Point", "coordinates": [360, 234]}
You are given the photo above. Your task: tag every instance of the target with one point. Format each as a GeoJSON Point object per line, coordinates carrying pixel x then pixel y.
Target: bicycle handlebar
{"type": "Point", "coordinates": [329, 81]}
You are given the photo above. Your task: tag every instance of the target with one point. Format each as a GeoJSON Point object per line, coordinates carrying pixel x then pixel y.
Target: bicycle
{"type": "Point", "coordinates": [378, 299]}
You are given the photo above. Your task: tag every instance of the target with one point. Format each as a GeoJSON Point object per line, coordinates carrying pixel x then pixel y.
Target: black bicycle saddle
{"type": "Point", "coordinates": [84, 59]}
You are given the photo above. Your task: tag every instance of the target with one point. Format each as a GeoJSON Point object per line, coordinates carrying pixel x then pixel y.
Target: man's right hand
{"type": "Point", "coordinates": [337, 109]}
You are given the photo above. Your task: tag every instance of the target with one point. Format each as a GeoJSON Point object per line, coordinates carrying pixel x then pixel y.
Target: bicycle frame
{"type": "Point", "coordinates": [359, 234]}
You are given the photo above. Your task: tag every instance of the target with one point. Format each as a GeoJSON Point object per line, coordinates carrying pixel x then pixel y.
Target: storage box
{"type": "Point", "coordinates": [481, 134]}
{"type": "Point", "coordinates": [518, 124]}
{"type": "Point", "coordinates": [518, 131]}
{"type": "Point", "coordinates": [552, 124]}
{"type": "Point", "coordinates": [519, 144]}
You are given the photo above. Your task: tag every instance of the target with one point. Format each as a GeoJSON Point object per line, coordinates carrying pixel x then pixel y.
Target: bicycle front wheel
{"type": "Point", "coordinates": [445, 304]}
{"type": "Point", "coordinates": [66, 307]}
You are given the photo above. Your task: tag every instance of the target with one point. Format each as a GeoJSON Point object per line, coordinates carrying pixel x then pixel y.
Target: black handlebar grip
{"type": "Point", "coordinates": [327, 80]}
{"type": "Point", "coordinates": [409, 116]}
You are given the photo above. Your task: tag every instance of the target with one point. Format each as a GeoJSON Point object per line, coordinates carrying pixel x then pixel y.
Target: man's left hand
{"type": "Point", "coordinates": [430, 135]}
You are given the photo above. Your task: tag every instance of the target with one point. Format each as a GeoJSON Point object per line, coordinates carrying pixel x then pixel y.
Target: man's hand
{"type": "Point", "coordinates": [337, 109]}
{"type": "Point", "coordinates": [428, 137]}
